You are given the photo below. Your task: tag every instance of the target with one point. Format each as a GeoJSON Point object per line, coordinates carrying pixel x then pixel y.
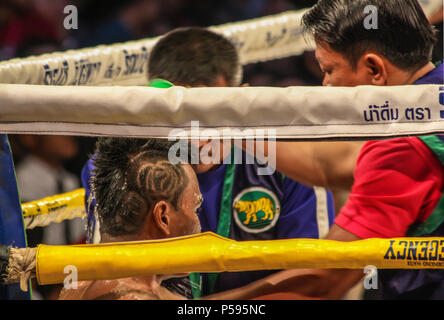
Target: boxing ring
{"type": "Point", "coordinates": [60, 93]}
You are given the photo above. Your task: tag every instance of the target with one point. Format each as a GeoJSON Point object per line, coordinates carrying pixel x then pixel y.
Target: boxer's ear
{"type": "Point", "coordinates": [161, 214]}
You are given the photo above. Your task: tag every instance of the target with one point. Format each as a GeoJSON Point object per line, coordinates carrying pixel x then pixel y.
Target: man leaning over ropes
{"type": "Point", "coordinates": [398, 183]}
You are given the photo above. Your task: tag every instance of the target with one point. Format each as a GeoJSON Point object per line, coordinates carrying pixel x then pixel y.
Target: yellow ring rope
{"type": "Point", "coordinates": [208, 252]}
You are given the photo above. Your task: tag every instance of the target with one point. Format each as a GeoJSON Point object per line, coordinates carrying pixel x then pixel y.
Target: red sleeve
{"type": "Point", "coordinates": [397, 182]}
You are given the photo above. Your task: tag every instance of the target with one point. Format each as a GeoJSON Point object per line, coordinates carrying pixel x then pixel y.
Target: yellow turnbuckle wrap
{"type": "Point", "coordinates": [208, 252]}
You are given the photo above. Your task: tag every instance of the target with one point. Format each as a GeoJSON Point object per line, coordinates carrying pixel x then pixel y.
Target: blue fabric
{"type": "Point", "coordinates": [297, 217]}
{"type": "Point", "coordinates": [298, 211]}
{"type": "Point", "coordinates": [212, 193]}
{"type": "Point", "coordinates": [11, 221]}
{"type": "Point", "coordinates": [436, 76]}
{"type": "Point", "coordinates": [416, 284]}
{"type": "Point", "coordinates": [86, 175]}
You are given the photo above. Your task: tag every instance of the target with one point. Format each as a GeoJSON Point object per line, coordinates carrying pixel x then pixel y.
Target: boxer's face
{"type": "Point", "coordinates": [338, 71]}
{"type": "Point", "coordinates": [186, 220]}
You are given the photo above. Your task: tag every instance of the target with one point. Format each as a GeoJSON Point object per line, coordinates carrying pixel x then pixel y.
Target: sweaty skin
{"type": "Point", "coordinates": [315, 163]}
{"type": "Point", "coordinates": [136, 288]}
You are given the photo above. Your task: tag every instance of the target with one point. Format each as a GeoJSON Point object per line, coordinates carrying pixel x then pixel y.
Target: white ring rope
{"type": "Point", "coordinates": [289, 113]}
{"type": "Point", "coordinates": [56, 216]}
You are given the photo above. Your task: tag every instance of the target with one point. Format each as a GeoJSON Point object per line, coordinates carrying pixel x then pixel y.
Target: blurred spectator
{"type": "Point", "coordinates": [40, 174]}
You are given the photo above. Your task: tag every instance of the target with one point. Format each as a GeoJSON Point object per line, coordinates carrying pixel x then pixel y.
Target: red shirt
{"type": "Point", "coordinates": [397, 182]}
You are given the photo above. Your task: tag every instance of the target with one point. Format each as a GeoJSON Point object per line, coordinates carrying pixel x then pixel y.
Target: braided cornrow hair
{"type": "Point", "coordinates": [130, 176]}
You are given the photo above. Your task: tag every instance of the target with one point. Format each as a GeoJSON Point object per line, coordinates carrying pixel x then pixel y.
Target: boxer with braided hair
{"type": "Point", "coordinates": [140, 196]}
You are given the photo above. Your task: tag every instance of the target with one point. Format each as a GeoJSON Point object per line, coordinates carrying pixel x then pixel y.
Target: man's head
{"type": "Point", "coordinates": [350, 53]}
{"type": "Point", "coordinates": [195, 57]}
{"type": "Point", "coordinates": [140, 195]}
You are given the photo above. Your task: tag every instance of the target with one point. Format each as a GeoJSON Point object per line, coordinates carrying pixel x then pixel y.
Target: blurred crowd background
{"type": "Point", "coordinates": [48, 165]}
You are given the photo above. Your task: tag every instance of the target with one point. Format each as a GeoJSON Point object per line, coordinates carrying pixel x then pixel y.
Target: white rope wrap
{"type": "Point", "coordinates": [22, 263]}
{"type": "Point", "coordinates": [288, 113]}
{"type": "Point", "coordinates": [56, 216]}
{"type": "Point", "coordinates": [56, 208]}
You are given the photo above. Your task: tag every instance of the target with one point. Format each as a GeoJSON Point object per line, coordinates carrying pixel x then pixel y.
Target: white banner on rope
{"type": "Point", "coordinates": [260, 39]}
{"type": "Point", "coordinates": [289, 113]}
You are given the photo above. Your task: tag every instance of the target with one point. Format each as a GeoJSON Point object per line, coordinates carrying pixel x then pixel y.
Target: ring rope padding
{"type": "Point", "coordinates": [209, 252]}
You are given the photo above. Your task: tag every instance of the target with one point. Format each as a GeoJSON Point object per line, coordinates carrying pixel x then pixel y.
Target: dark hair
{"type": "Point", "coordinates": [130, 176]}
{"type": "Point", "coordinates": [404, 35]}
{"type": "Point", "coordinates": [194, 56]}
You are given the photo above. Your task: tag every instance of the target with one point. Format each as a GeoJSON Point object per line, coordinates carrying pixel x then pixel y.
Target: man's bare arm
{"type": "Point", "coordinates": [306, 283]}
{"type": "Point", "coordinates": [328, 164]}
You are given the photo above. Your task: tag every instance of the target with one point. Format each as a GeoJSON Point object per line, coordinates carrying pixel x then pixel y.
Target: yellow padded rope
{"type": "Point", "coordinates": [208, 252]}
